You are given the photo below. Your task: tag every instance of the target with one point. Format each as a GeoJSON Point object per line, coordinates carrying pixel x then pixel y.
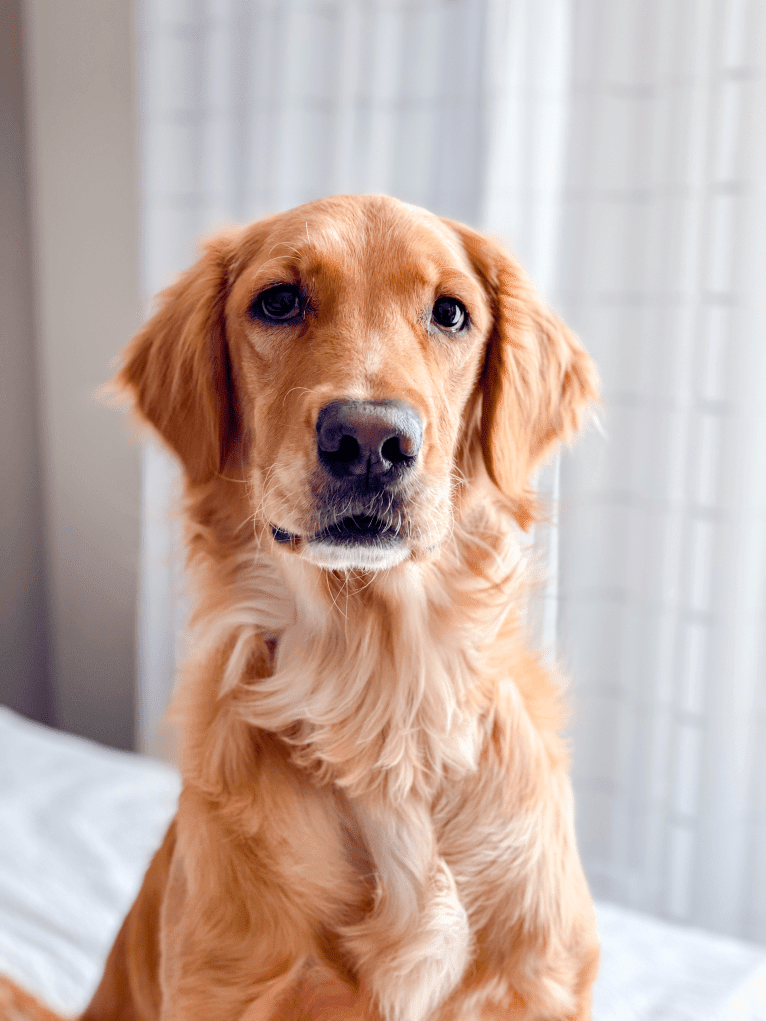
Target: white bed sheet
{"type": "Point", "coordinates": [79, 822]}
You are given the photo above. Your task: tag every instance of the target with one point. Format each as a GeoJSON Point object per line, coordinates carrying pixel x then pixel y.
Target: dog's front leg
{"type": "Point", "coordinates": [413, 947]}
{"type": "Point", "coordinates": [180, 956]}
{"type": "Point", "coordinates": [508, 833]}
{"type": "Point", "coordinates": [236, 936]}
{"type": "Point", "coordinates": [215, 963]}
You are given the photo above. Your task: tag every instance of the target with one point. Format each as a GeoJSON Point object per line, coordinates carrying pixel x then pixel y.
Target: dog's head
{"type": "Point", "coordinates": [352, 361]}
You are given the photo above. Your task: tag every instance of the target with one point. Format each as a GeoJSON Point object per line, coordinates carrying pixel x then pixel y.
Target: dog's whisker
{"type": "Point", "coordinates": [298, 389]}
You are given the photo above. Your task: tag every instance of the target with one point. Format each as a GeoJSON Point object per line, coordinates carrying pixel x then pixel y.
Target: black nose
{"type": "Point", "coordinates": [373, 438]}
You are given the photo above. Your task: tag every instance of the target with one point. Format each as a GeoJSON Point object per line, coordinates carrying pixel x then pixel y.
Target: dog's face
{"type": "Point", "coordinates": [344, 359]}
{"type": "Point", "coordinates": [358, 336]}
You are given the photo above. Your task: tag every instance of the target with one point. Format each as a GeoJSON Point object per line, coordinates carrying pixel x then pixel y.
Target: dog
{"type": "Point", "coordinates": [376, 817]}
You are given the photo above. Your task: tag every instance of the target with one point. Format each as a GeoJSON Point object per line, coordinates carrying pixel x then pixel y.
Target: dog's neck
{"type": "Point", "coordinates": [374, 681]}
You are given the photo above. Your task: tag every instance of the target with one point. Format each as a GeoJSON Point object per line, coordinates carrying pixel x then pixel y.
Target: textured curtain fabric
{"type": "Point", "coordinates": [662, 576]}
{"type": "Point", "coordinates": [620, 150]}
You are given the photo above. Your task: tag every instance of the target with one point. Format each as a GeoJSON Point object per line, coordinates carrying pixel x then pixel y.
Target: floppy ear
{"type": "Point", "coordinates": [537, 382]}
{"type": "Point", "coordinates": [177, 367]}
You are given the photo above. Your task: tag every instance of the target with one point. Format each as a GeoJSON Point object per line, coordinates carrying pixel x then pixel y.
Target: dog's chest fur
{"type": "Point", "coordinates": [389, 698]}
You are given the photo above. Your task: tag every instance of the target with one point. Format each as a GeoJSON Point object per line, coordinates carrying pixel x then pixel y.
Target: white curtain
{"type": "Point", "coordinates": [662, 573]}
{"type": "Point", "coordinates": [619, 149]}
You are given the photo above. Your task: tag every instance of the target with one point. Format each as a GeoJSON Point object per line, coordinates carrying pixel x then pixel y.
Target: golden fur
{"type": "Point", "coordinates": [376, 817]}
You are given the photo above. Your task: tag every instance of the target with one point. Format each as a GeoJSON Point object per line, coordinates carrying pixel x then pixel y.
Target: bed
{"type": "Point", "coordinates": [79, 822]}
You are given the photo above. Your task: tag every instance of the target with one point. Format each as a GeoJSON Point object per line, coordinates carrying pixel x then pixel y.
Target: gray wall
{"type": "Point", "coordinates": [24, 645]}
{"type": "Point", "coordinates": [77, 484]}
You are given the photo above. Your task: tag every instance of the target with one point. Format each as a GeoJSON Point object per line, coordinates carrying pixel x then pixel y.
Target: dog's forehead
{"type": "Point", "coordinates": [374, 239]}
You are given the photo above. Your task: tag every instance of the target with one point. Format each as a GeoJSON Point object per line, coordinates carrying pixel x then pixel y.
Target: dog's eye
{"type": "Point", "coordinates": [280, 303]}
{"type": "Point", "coordinates": [449, 314]}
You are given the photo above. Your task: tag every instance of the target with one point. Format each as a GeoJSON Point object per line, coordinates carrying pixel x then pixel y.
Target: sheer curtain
{"type": "Point", "coordinates": [662, 574]}
{"type": "Point", "coordinates": [619, 149]}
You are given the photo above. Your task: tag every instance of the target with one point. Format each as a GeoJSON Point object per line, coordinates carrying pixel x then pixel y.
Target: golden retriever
{"type": "Point", "coordinates": [376, 816]}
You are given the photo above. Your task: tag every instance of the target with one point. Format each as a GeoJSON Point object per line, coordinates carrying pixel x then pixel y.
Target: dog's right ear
{"type": "Point", "coordinates": [177, 368]}
{"type": "Point", "coordinates": [538, 382]}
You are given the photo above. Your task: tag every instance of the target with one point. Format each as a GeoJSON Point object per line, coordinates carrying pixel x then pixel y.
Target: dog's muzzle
{"type": "Point", "coordinates": [365, 451]}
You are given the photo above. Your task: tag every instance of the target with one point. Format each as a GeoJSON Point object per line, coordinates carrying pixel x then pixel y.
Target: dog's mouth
{"type": "Point", "coordinates": [357, 530]}
{"type": "Point", "coordinates": [354, 530]}
{"type": "Point", "coordinates": [355, 541]}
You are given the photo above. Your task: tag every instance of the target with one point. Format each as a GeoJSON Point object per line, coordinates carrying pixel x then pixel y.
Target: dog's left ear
{"type": "Point", "coordinates": [177, 368]}
{"type": "Point", "coordinates": [537, 381]}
